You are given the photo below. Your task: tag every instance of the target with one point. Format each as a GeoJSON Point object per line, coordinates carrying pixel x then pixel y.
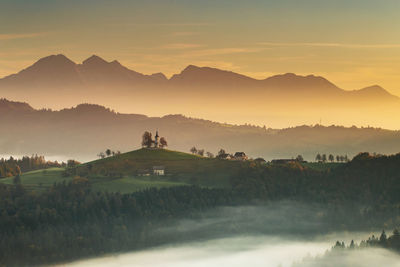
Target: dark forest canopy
{"type": "Point", "coordinates": [70, 221]}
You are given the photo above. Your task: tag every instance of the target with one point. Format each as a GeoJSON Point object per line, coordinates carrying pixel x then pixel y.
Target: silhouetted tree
{"type": "Point", "coordinates": [300, 158]}
{"type": "Point", "coordinates": [331, 158]}
{"type": "Point", "coordinates": [200, 152]}
{"type": "Point", "coordinates": [108, 152]}
{"type": "Point", "coordinates": [383, 238]}
{"type": "Point", "coordinates": [324, 158]}
{"type": "Point", "coordinates": [147, 139]}
{"type": "Point", "coordinates": [193, 150]}
{"type": "Point", "coordinates": [221, 152]}
{"type": "Point", "coordinates": [318, 158]}
{"type": "Point", "coordinates": [338, 158]}
{"type": "Point", "coordinates": [163, 142]}
{"type": "Point", "coordinates": [101, 155]}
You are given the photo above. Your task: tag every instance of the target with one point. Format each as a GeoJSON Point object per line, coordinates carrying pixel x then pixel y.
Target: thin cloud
{"type": "Point", "coordinates": [179, 46]}
{"type": "Point", "coordinates": [13, 36]}
{"type": "Point", "coordinates": [178, 34]}
{"type": "Point", "coordinates": [220, 51]}
{"type": "Point", "coordinates": [339, 45]}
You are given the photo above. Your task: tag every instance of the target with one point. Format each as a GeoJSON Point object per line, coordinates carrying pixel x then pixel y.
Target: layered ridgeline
{"type": "Point", "coordinates": [83, 131]}
{"type": "Point", "coordinates": [280, 101]}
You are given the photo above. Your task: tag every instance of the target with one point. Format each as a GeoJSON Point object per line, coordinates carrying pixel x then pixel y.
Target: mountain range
{"type": "Point", "coordinates": [221, 95]}
{"type": "Point", "coordinates": [83, 131]}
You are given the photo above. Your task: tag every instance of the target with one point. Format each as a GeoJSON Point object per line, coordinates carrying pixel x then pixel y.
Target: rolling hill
{"type": "Point", "coordinates": [121, 173]}
{"type": "Point", "coordinates": [85, 130]}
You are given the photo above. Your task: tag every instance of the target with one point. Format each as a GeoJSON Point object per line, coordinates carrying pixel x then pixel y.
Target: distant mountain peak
{"type": "Point", "coordinates": [54, 60]}
{"type": "Point", "coordinates": [94, 60]}
{"type": "Point", "coordinates": [159, 76]}
{"type": "Point", "coordinates": [375, 91]}
{"type": "Point", "coordinates": [298, 81]}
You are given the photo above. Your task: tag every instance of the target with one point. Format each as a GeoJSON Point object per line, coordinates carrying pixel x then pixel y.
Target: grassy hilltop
{"type": "Point", "coordinates": [180, 169]}
{"type": "Point", "coordinates": [121, 173]}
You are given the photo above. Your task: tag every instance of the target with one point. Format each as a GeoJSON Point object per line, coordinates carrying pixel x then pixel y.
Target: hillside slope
{"type": "Point", "coordinates": [84, 131]}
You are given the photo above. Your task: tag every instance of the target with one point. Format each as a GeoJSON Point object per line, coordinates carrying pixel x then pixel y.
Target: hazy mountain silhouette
{"type": "Point", "coordinates": [59, 71]}
{"type": "Point", "coordinates": [85, 130]}
{"type": "Point", "coordinates": [202, 91]}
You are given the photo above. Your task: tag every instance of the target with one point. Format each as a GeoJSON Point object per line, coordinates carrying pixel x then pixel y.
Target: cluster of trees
{"type": "Point", "coordinates": [11, 167]}
{"type": "Point", "coordinates": [324, 158]}
{"type": "Point", "coordinates": [392, 242]}
{"type": "Point", "coordinates": [201, 152]}
{"type": "Point", "coordinates": [69, 221]}
{"type": "Point", "coordinates": [147, 141]}
{"type": "Point", "coordinates": [108, 153]}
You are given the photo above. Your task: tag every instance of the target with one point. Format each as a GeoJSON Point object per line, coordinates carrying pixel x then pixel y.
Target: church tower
{"type": "Point", "coordinates": [156, 140]}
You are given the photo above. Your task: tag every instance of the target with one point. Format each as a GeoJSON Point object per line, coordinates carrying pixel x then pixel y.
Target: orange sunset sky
{"type": "Point", "coordinates": [353, 43]}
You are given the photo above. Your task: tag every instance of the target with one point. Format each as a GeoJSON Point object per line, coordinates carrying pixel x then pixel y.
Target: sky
{"type": "Point", "coordinates": [353, 43]}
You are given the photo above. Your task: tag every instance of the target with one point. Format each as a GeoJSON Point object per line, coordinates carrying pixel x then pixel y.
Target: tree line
{"type": "Point", "coordinates": [331, 158]}
{"type": "Point", "coordinates": [11, 167]}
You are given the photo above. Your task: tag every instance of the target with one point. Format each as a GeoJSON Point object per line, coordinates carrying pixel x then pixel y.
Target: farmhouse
{"type": "Point", "coordinates": [240, 156]}
{"type": "Point", "coordinates": [159, 170]}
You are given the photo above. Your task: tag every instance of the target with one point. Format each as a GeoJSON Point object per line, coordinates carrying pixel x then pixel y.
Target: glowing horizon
{"type": "Point", "coordinates": [257, 38]}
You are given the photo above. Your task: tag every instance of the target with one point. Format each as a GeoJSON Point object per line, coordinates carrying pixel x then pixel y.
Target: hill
{"type": "Point", "coordinates": [85, 130]}
{"type": "Point", "coordinates": [280, 100]}
{"type": "Point", "coordinates": [180, 168]}
{"type": "Point", "coordinates": [124, 173]}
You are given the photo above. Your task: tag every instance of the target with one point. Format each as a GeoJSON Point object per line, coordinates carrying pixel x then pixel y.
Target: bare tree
{"type": "Point", "coordinates": [101, 155]}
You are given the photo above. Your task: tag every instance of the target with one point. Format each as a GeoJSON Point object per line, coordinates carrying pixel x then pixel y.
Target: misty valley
{"type": "Point", "coordinates": [202, 211]}
{"type": "Point", "coordinates": [200, 133]}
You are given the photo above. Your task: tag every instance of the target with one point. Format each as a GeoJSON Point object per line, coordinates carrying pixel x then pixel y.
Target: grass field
{"type": "Point", "coordinates": [40, 179]}
{"type": "Point", "coordinates": [181, 169]}
{"type": "Point", "coordinates": [120, 173]}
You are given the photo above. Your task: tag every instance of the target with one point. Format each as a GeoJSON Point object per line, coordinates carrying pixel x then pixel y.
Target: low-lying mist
{"type": "Point", "coordinates": [278, 234]}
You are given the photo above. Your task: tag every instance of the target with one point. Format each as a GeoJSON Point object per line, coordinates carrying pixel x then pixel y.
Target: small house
{"type": "Point", "coordinates": [240, 156]}
{"type": "Point", "coordinates": [159, 170]}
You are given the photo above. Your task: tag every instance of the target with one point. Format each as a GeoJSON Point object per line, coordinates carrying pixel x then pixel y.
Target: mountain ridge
{"type": "Point", "coordinates": [95, 67]}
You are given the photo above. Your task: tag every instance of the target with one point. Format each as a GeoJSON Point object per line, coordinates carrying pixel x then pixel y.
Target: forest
{"type": "Point", "coordinates": [70, 221]}
{"type": "Point", "coordinates": [12, 167]}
